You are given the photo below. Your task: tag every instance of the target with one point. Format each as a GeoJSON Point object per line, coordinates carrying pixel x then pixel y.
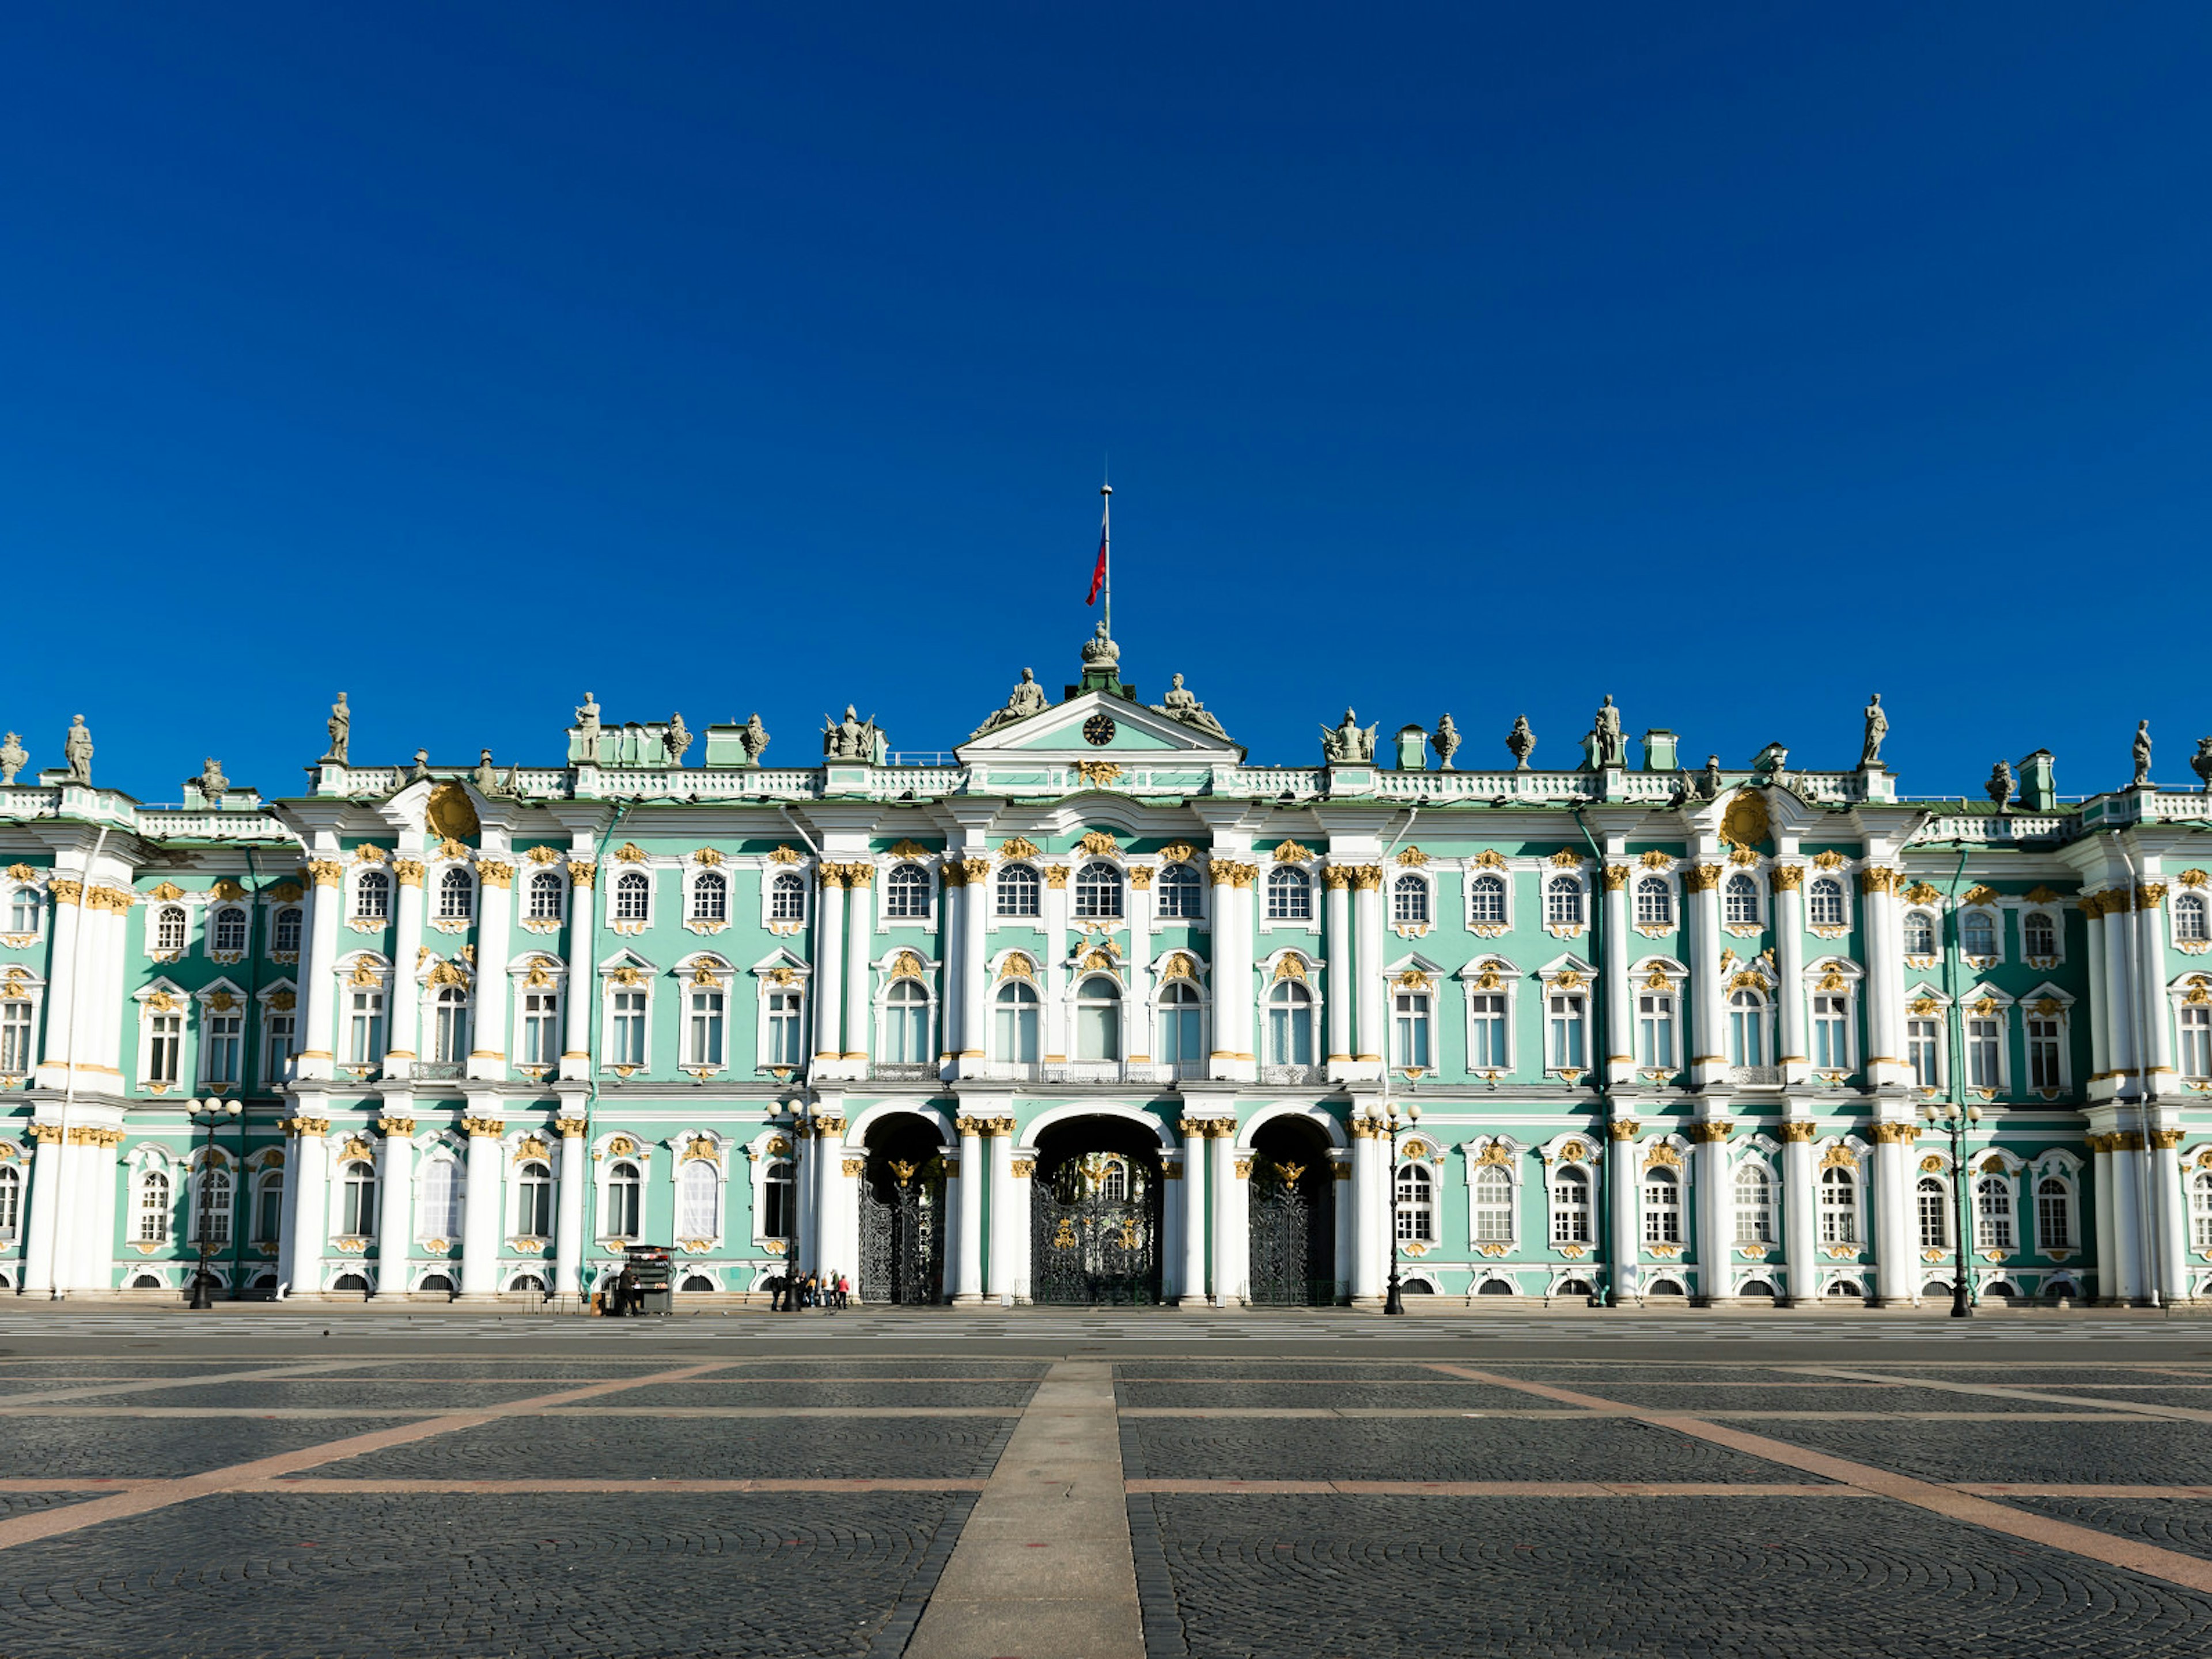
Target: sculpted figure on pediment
{"type": "Point", "coordinates": [1026, 700]}
{"type": "Point", "coordinates": [1877, 728]}
{"type": "Point", "coordinates": [1184, 706]}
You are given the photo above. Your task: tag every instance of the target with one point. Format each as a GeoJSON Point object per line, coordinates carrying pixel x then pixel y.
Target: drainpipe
{"type": "Point", "coordinates": [69, 1087]}
{"type": "Point", "coordinates": [805, 1076]}
{"type": "Point", "coordinates": [1601, 1071]}
{"type": "Point", "coordinates": [591, 978]}
{"type": "Point", "coordinates": [248, 1047]}
{"type": "Point", "coordinates": [2147, 1228]}
{"type": "Point", "coordinates": [1962, 1298]}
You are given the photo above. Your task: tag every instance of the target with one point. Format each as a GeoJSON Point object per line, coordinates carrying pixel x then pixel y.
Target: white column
{"type": "Point", "coordinates": [493, 991]}
{"type": "Point", "coordinates": [2127, 1263]}
{"type": "Point", "coordinates": [973, 988]}
{"type": "Point", "coordinates": [575, 1175]}
{"type": "Point", "coordinates": [1228, 1214]}
{"type": "Point", "coordinates": [1716, 1202]}
{"type": "Point", "coordinates": [1142, 1045]}
{"type": "Point", "coordinates": [1022, 1170]}
{"type": "Point", "coordinates": [1366, 1219]}
{"type": "Point", "coordinates": [952, 928]}
{"type": "Point", "coordinates": [1620, 996]}
{"type": "Point", "coordinates": [2120, 1040]}
{"type": "Point", "coordinates": [480, 1214]}
{"type": "Point", "coordinates": [101, 1164]}
{"type": "Point", "coordinates": [1193, 1200]}
{"type": "Point", "coordinates": [2100, 1194]}
{"type": "Point", "coordinates": [1799, 1239]}
{"type": "Point", "coordinates": [805, 1193]}
{"type": "Point", "coordinates": [1371, 1035]}
{"type": "Point", "coordinates": [1790, 964]}
{"type": "Point", "coordinates": [837, 1245]}
{"type": "Point", "coordinates": [404, 1012]}
{"type": "Point", "coordinates": [1885, 978]}
{"type": "Point", "coordinates": [1708, 989]}
{"type": "Point", "coordinates": [318, 972]}
{"type": "Point", "coordinates": [1054, 986]}
{"type": "Point", "coordinates": [1004, 1198]}
{"type": "Point", "coordinates": [2100, 1006]}
{"type": "Point", "coordinates": [45, 1218]}
{"type": "Point", "coordinates": [395, 1198]}
{"type": "Point", "coordinates": [306, 1176]}
{"type": "Point", "coordinates": [581, 1005]}
{"type": "Point", "coordinates": [859, 941]}
{"type": "Point", "coordinates": [1172, 1224]}
{"type": "Point", "coordinates": [1896, 1257]}
{"type": "Point", "coordinates": [829, 968]}
{"type": "Point", "coordinates": [1339, 981]}
{"type": "Point", "coordinates": [967, 1237]}
{"type": "Point", "coordinates": [1232, 1053]}
{"type": "Point", "coordinates": [2169, 1199]}
{"type": "Point", "coordinates": [2157, 1061]}
{"type": "Point", "coordinates": [63, 967]}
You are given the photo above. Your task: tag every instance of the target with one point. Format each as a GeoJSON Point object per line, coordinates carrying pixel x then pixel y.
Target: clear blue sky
{"type": "Point", "coordinates": [1733, 360]}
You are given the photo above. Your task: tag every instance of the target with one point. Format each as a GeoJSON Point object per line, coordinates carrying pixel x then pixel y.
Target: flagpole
{"type": "Point", "coordinates": [1106, 538]}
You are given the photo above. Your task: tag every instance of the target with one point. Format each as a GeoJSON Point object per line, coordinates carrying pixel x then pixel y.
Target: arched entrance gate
{"type": "Point", "coordinates": [1293, 1216]}
{"type": "Point", "coordinates": [902, 1220]}
{"type": "Point", "coordinates": [1095, 1210]}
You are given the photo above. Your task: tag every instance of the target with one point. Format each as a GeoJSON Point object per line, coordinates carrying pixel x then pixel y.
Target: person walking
{"type": "Point", "coordinates": [775, 1284]}
{"type": "Point", "coordinates": [625, 1290]}
{"type": "Point", "coordinates": [844, 1293]}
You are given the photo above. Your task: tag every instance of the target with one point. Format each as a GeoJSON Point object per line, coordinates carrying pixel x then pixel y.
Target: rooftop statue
{"type": "Point", "coordinates": [676, 739]}
{"type": "Point", "coordinates": [1099, 651]}
{"type": "Point", "coordinates": [76, 750]}
{"type": "Point", "coordinates": [1611, 749]}
{"type": "Point", "coordinates": [420, 769]}
{"type": "Point", "coordinates": [753, 740]}
{"type": "Point", "coordinates": [1709, 784]}
{"type": "Point", "coordinates": [1447, 740]}
{"type": "Point", "coordinates": [485, 777]}
{"type": "Point", "coordinates": [211, 783]}
{"type": "Point", "coordinates": [14, 758]}
{"type": "Point", "coordinates": [1520, 743]}
{"type": "Point", "coordinates": [852, 739]}
{"type": "Point", "coordinates": [1026, 700]}
{"type": "Point", "coordinates": [2200, 763]}
{"type": "Point", "coordinates": [1348, 741]}
{"type": "Point", "coordinates": [587, 732]}
{"type": "Point", "coordinates": [2000, 784]}
{"type": "Point", "coordinates": [1877, 727]}
{"type": "Point", "coordinates": [341, 729]}
{"type": "Point", "coordinates": [2142, 756]}
{"type": "Point", "coordinates": [1770, 761]}
{"type": "Point", "coordinates": [1182, 705]}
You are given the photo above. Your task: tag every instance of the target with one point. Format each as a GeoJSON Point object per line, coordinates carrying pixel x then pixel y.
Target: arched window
{"type": "Point", "coordinates": [438, 1200]}
{"type": "Point", "coordinates": [1747, 1029]}
{"type": "Point", "coordinates": [1570, 1206]}
{"type": "Point", "coordinates": [2189, 920]}
{"type": "Point", "coordinates": [777, 1208]}
{"type": "Point", "coordinates": [2038, 929]}
{"type": "Point", "coordinates": [1933, 1203]}
{"type": "Point", "coordinates": [1993, 1213]}
{"type": "Point", "coordinates": [1290, 1024]}
{"type": "Point", "coordinates": [285, 936]}
{"type": "Point", "coordinates": [1113, 1180]}
{"type": "Point", "coordinates": [1493, 1205]}
{"type": "Point", "coordinates": [1016, 1021]}
{"type": "Point", "coordinates": [625, 1196]}
{"type": "Point", "coordinates": [1563, 903]}
{"type": "Point", "coordinates": [1978, 933]}
{"type": "Point", "coordinates": [906, 1023]}
{"type": "Point", "coordinates": [906, 892]}
{"type": "Point", "coordinates": [1180, 895]}
{"type": "Point", "coordinates": [1839, 1206]}
{"type": "Point", "coordinates": [1662, 1207]}
{"type": "Point", "coordinates": [787, 898]}
{"type": "Point", "coordinates": [710, 897]}
{"type": "Point", "coordinates": [1417, 1203]}
{"type": "Point", "coordinates": [15, 1029]}
{"type": "Point", "coordinates": [1098, 891]}
{"type": "Point", "coordinates": [2054, 1214]}
{"type": "Point", "coordinates": [23, 910]}
{"type": "Point", "coordinates": [534, 1202]}
{"type": "Point", "coordinates": [1486, 902]}
{"type": "Point", "coordinates": [169, 929]}
{"type": "Point", "coordinates": [1740, 902]}
{"type": "Point", "coordinates": [153, 1208]}
{"type": "Point", "coordinates": [1654, 902]}
{"type": "Point", "coordinates": [1754, 1206]}
{"type": "Point", "coordinates": [698, 1200]}
{"type": "Point", "coordinates": [545, 896]}
{"type": "Point", "coordinates": [228, 935]}
{"type": "Point", "coordinates": [456, 895]}
{"type": "Point", "coordinates": [1018, 894]}
{"type": "Point", "coordinates": [371, 896]}
{"type": "Point", "coordinates": [1919, 934]}
{"type": "Point", "coordinates": [449, 1036]}
{"type": "Point", "coordinates": [1409, 901]}
{"type": "Point", "coordinates": [165, 1047]}
{"type": "Point", "coordinates": [1290, 894]}
{"type": "Point", "coordinates": [1099, 1020]}
{"type": "Point", "coordinates": [1824, 903]}
{"type": "Point", "coordinates": [2200, 1211]}
{"type": "Point", "coordinates": [633, 894]}
{"type": "Point", "coordinates": [358, 1199]}
{"type": "Point", "coordinates": [11, 1204]}
{"type": "Point", "coordinates": [212, 1196]}
{"type": "Point", "coordinates": [1182, 1035]}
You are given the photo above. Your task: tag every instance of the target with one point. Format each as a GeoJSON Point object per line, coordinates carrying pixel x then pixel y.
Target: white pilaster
{"type": "Point", "coordinates": [2128, 1280]}
{"type": "Point", "coordinates": [318, 972]}
{"type": "Point", "coordinates": [307, 1178]}
{"type": "Point", "coordinates": [46, 1207]}
{"type": "Point", "coordinates": [1228, 1212]}
{"type": "Point", "coordinates": [1623, 1177]}
{"type": "Point", "coordinates": [2101, 1177]}
{"type": "Point", "coordinates": [1790, 964]}
{"type": "Point", "coordinates": [973, 983]}
{"type": "Point", "coordinates": [1799, 1237]}
{"type": "Point", "coordinates": [1371, 1034]}
{"type": "Point", "coordinates": [837, 1244]}
{"type": "Point", "coordinates": [482, 1211]}
{"type": "Point", "coordinates": [2171, 1216]}
{"type": "Point", "coordinates": [2100, 1007]}
{"type": "Point", "coordinates": [1896, 1253]}
{"type": "Point", "coordinates": [1193, 1282]}
{"type": "Point", "coordinates": [395, 1196]}
{"type": "Point", "coordinates": [859, 939]}
{"type": "Point", "coordinates": [1708, 1014]}
{"type": "Point", "coordinates": [1885, 979]}
{"type": "Point", "coordinates": [1340, 980]}
{"type": "Point", "coordinates": [953, 925]}
{"type": "Point", "coordinates": [1005, 1194]}
{"type": "Point", "coordinates": [1716, 1208]}
{"type": "Point", "coordinates": [1619, 998]}
{"type": "Point", "coordinates": [493, 993]}
{"type": "Point", "coordinates": [64, 967]}
{"type": "Point", "coordinates": [403, 1009]}
{"type": "Point", "coordinates": [829, 970]}
{"type": "Point", "coordinates": [967, 1236]}
{"type": "Point", "coordinates": [574, 1177]}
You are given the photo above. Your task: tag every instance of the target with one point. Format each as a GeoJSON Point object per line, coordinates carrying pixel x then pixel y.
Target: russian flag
{"type": "Point", "coordinates": [1098, 570]}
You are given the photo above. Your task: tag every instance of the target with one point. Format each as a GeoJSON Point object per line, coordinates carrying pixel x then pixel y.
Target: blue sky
{"type": "Point", "coordinates": [1733, 360]}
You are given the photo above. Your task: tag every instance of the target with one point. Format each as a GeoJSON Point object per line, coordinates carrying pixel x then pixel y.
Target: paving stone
{"type": "Point", "coordinates": [1266, 1370]}
{"type": "Point", "coordinates": [157, 1447]}
{"type": "Point", "coordinates": [1842, 1397]}
{"type": "Point", "coordinates": [338, 1393]}
{"type": "Point", "coordinates": [1442, 1395]}
{"type": "Point", "coordinates": [862, 1368]}
{"type": "Point", "coordinates": [2174, 1523]}
{"type": "Point", "coordinates": [511, 1368]}
{"type": "Point", "coordinates": [26, 1503]}
{"type": "Point", "coordinates": [133, 1370]}
{"type": "Point", "coordinates": [382, 1576]}
{"type": "Point", "coordinates": [1299, 1577]}
{"type": "Point", "coordinates": [1001, 1395]}
{"type": "Point", "coordinates": [2119, 1450]}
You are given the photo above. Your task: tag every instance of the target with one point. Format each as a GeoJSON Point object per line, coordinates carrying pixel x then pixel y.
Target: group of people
{"type": "Point", "coordinates": [790, 1291]}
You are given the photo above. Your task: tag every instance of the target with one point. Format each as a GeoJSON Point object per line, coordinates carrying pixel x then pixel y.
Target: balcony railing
{"type": "Point", "coordinates": [1292, 1077]}
{"type": "Point", "coordinates": [1755, 1076]}
{"type": "Point", "coordinates": [901, 1071]}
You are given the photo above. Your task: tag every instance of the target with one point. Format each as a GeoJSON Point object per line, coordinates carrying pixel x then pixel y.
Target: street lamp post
{"type": "Point", "coordinates": [1954, 1122]}
{"type": "Point", "coordinates": [208, 1114]}
{"type": "Point", "coordinates": [1393, 1114]}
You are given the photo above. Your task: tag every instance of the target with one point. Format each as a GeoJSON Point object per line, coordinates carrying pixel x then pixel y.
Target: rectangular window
{"type": "Point", "coordinates": [1832, 1034]}
{"type": "Point", "coordinates": [281, 1029]}
{"type": "Point", "coordinates": [1993, 1214]}
{"type": "Point", "coordinates": [1923, 1047]}
{"type": "Point", "coordinates": [1983, 1036]}
{"type": "Point", "coordinates": [2196, 1041]}
{"type": "Point", "coordinates": [1571, 1209]}
{"type": "Point", "coordinates": [365, 1029]}
{"type": "Point", "coordinates": [541, 1028]}
{"type": "Point", "coordinates": [1655, 1032]}
{"type": "Point", "coordinates": [2054, 1221]}
{"type": "Point", "coordinates": [269, 1210]}
{"type": "Point", "coordinates": [787, 1043]}
{"type": "Point", "coordinates": [627, 1044]}
{"type": "Point", "coordinates": [225, 1041]}
{"type": "Point", "coordinates": [165, 1042]}
{"type": "Point", "coordinates": [1487, 1050]}
{"type": "Point", "coordinates": [1412, 1021]}
{"type": "Point", "coordinates": [2043, 1070]}
{"type": "Point", "coordinates": [706, 1028]}
{"type": "Point", "coordinates": [1662, 1211]}
{"type": "Point", "coordinates": [14, 1036]}
{"type": "Point", "coordinates": [1566, 1018]}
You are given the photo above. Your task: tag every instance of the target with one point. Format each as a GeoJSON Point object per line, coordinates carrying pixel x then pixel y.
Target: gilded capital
{"type": "Point", "coordinates": [65, 891]}
{"type": "Point", "coordinates": [327, 872]}
{"type": "Point", "coordinates": [1793, 1131]}
{"type": "Point", "coordinates": [964, 1127]}
{"type": "Point", "coordinates": [1055, 875]}
{"type": "Point", "coordinates": [401, 1126]}
{"type": "Point", "coordinates": [829, 875]}
{"type": "Point", "coordinates": [1706, 1135]}
{"type": "Point", "coordinates": [1336, 876]}
{"type": "Point", "coordinates": [1788, 877]}
{"type": "Point", "coordinates": [1887, 1134]}
{"type": "Point", "coordinates": [2150, 894]}
{"type": "Point", "coordinates": [1701, 878]}
{"type": "Point", "coordinates": [1622, 1128]}
{"type": "Point", "coordinates": [1616, 877]}
{"type": "Point", "coordinates": [409, 872]}
{"type": "Point", "coordinates": [1877, 878]}
{"type": "Point", "coordinates": [2166, 1139]}
{"type": "Point", "coordinates": [569, 1128]}
{"type": "Point", "coordinates": [582, 874]}
{"type": "Point", "coordinates": [860, 875]}
{"type": "Point", "coordinates": [1367, 878]}
{"type": "Point", "coordinates": [1140, 877]}
{"type": "Point", "coordinates": [484, 1128]}
{"type": "Point", "coordinates": [952, 873]}
{"type": "Point", "coordinates": [307, 1128]}
{"type": "Point", "coordinates": [47, 1135]}
{"type": "Point", "coordinates": [975, 870]}
{"type": "Point", "coordinates": [493, 873]}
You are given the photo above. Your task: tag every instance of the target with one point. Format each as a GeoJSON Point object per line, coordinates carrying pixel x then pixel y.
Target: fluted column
{"type": "Point", "coordinates": [1716, 1202]}
{"type": "Point", "coordinates": [1193, 1199]}
{"type": "Point", "coordinates": [47, 1211]}
{"type": "Point", "coordinates": [828, 969]}
{"type": "Point", "coordinates": [569, 1225]}
{"type": "Point", "coordinates": [1622, 1179]}
{"type": "Point", "coordinates": [395, 1199]}
{"type": "Point", "coordinates": [974, 986]}
{"type": "Point", "coordinates": [403, 1013]}
{"type": "Point", "coordinates": [307, 1176]}
{"type": "Point", "coordinates": [1229, 1213]}
{"type": "Point", "coordinates": [1001, 1268]}
{"type": "Point", "coordinates": [1370, 1035]}
{"type": "Point", "coordinates": [1896, 1252]}
{"type": "Point", "coordinates": [967, 1239]}
{"type": "Point", "coordinates": [1708, 1030]}
{"type": "Point", "coordinates": [1341, 982]}
{"type": "Point", "coordinates": [859, 939]}
{"type": "Point", "coordinates": [1886, 1061]}
{"type": "Point", "coordinates": [494, 998]}
{"type": "Point", "coordinates": [1799, 1241]}
{"type": "Point", "coordinates": [1367, 1221]}
{"type": "Point", "coordinates": [481, 1211]}
{"type": "Point", "coordinates": [1790, 964]}
{"type": "Point", "coordinates": [1619, 999]}
{"type": "Point", "coordinates": [318, 971]}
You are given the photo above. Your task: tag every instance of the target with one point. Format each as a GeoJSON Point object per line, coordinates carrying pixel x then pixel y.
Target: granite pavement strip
{"type": "Point", "coordinates": [1043, 1568]}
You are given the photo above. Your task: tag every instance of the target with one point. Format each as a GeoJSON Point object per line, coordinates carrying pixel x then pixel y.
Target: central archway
{"type": "Point", "coordinates": [902, 1220]}
{"type": "Point", "coordinates": [1293, 1216]}
{"type": "Point", "coordinates": [1096, 1206]}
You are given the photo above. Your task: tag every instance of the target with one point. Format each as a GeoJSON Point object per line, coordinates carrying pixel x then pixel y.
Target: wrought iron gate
{"type": "Point", "coordinates": [902, 1235]}
{"type": "Point", "coordinates": [1293, 1244]}
{"type": "Point", "coordinates": [1095, 1231]}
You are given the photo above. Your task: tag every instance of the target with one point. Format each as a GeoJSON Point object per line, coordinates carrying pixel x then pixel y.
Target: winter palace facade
{"type": "Point", "coordinates": [1094, 1010]}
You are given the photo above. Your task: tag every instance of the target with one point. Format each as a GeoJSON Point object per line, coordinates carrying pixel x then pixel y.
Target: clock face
{"type": "Point", "coordinates": [1098, 731]}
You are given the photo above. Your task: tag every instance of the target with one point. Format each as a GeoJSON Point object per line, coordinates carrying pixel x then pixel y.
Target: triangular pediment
{"type": "Point", "coordinates": [1098, 725]}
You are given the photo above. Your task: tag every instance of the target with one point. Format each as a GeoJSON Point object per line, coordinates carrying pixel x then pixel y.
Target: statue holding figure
{"type": "Point", "coordinates": [676, 739]}
{"type": "Point", "coordinates": [420, 769]}
{"type": "Point", "coordinates": [210, 783]}
{"type": "Point", "coordinates": [1184, 706]}
{"type": "Point", "coordinates": [1877, 728]}
{"type": "Point", "coordinates": [1026, 700]}
{"type": "Point", "coordinates": [2142, 756]}
{"type": "Point", "coordinates": [849, 739]}
{"type": "Point", "coordinates": [2200, 763]}
{"type": "Point", "coordinates": [77, 750]}
{"type": "Point", "coordinates": [1611, 750]}
{"type": "Point", "coordinates": [485, 775]}
{"type": "Point", "coordinates": [588, 731]}
{"type": "Point", "coordinates": [340, 726]}
{"type": "Point", "coordinates": [2000, 784]}
{"type": "Point", "coordinates": [1348, 742]}
{"type": "Point", "coordinates": [1709, 784]}
{"type": "Point", "coordinates": [1520, 743]}
{"type": "Point", "coordinates": [1447, 740]}
{"type": "Point", "coordinates": [753, 740]}
{"type": "Point", "coordinates": [14, 758]}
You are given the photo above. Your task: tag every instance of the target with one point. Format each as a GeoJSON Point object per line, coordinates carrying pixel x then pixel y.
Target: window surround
{"type": "Point", "coordinates": [762, 1153]}
{"type": "Point", "coordinates": [1984, 1003]}
{"type": "Point", "coordinates": [541, 867]}
{"type": "Point", "coordinates": [1192, 972]}
{"type": "Point", "coordinates": [2056, 909]}
{"type": "Point", "coordinates": [1934, 918]}
{"type": "Point", "coordinates": [781, 973]}
{"type": "Point", "coordinates": [1995, 1164]}
{"type": "Point", "coordinates": [611, 879]}
{"type": "Point", "coordinates": [700, 879]}
{"type": "Point", "coordinates": [1755, 1249]}
{"type": "Point", "coordinates": [1841, 886]}
{"type": "Point", "coordinates": [1480, 872]}
{"type": "Point", "coordinates": [20, 984]}
{"type": "Point", "coordinates": [703, 970]}
{"type": "Point", "coordinates": [613, 1151]}
{"type": "Point", "coordinates": [1498, 1153]}
{"type": "Point", "coordinates": [1197, 891]}
{"type": "Point", "coordinates": [1305, 871]}
{"type": "Point", "coordinates": [1994, 915]}
{"type": "Point", "coordinates": [1414, 1151]}
{"type": "Point", "coordinates": [164, 999]}
{"type": "Point", "coordinates": [534, 973]}
{"type": "Point", "coordinates": [24, 881]}
{"type": "Point", "coordinates": [699, 1146]}
{"type": "Point", "coordinates": [436, 883]}
{"type": "Point", "coordinates": [623, 972]}
{"type": "Point", "coordinates": [904, 967]}
{"type": "Point", "coordinates": [1833, 976]}
{"type": "Point", "coordinates": [889, 864]}
{"type": "Point", "coordinates": [1664, 1162]}
{"type": "Point", "coordinates": [1735, 882]}
{"type": "Point", "coordinates": [1033, 886]}
{"type": "Point", "coordinates": [1489, 976]}
{"type": "Point", "coordinates": [1850, 1155]}
{"type": "Point", "coordinates": [1420, 881]}
{"type": "Point", "coordinates": [1568, 975]}
{"type": "Point", "coordinates": [1666, 892]}
{"type": "Point", "coordinates": [1559, 1217]}
{"type": "Point", "coordinates": [1555, 881]}
{"type": "Point", "coordinates": [221, 1000]}
{"type": "Point", "coordinates": [773, 870]}
{"type": "Point", "coordinates": [2064, 1167]}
